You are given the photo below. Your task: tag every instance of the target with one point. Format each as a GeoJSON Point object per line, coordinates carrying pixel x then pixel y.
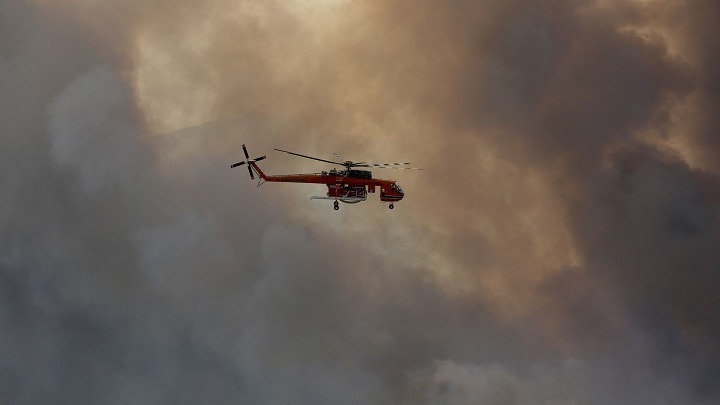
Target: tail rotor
{"type": "Point", "coordinates": [247, 162]}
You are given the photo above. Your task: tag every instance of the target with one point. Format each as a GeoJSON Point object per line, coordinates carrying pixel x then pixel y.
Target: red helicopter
{"type": "Point", "coordinates": [349, 185]}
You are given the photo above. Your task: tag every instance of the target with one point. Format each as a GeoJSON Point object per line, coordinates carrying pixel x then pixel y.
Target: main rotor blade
{"type": "Point", "coordinates": [237, 164]}
{"type": "Point", "coordinates": [397, 166]}
{"type": "Point", "coordinates": [245, 150]}
{"type": "Point", "coordinates": [400, 168]}
{"type": "Point", "coordinates": [310, 157]}
{"type": "Point", "coordinates": [252, 176]}
{"type": "Point", "coordinates": [259, 159]}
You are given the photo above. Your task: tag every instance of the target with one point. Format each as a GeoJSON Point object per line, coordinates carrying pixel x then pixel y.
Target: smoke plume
{"type": "Point", "coordinates": [562, 247]}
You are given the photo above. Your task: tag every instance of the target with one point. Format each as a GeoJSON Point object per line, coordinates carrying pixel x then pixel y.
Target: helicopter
{"type": "Point", "coordinates": [350, 185]}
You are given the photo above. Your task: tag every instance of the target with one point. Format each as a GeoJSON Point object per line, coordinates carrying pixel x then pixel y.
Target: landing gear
{"type": "Point", "coordinates": [336, 205]}
{"type": "Point", "coordinates": [392, 206]}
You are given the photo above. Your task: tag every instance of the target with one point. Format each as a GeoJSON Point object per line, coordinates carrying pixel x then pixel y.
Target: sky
{"type": "Point", "coordinates": [562, 247]}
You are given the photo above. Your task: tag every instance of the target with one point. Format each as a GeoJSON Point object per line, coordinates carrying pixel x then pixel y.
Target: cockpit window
{"type": "Point", "coordinates": [396, 187]}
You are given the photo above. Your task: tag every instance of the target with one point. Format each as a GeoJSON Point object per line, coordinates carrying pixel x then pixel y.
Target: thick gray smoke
{"type": "Point", "coordinates": [563, 247]}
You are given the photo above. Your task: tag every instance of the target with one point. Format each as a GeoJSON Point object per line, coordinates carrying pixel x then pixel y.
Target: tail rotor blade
{"type": "Point", "coordinates": [249, 162]}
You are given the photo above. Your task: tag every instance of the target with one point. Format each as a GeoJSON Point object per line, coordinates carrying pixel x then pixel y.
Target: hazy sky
{"type": "Point", "coordinates": [563, 246]}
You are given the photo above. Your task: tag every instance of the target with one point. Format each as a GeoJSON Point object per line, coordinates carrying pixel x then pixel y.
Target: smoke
{"type": "Point", "coordinates": [560, 248]}
{"type": "Point", "coordinates": [91, 131]}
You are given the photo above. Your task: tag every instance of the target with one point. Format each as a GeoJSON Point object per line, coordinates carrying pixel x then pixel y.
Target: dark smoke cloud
{"type": "Point", "coordinates": [562, 248]}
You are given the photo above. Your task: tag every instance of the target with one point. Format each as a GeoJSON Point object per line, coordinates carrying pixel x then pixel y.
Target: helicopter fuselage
{"type": "Point", "coordinates": [348, 186]}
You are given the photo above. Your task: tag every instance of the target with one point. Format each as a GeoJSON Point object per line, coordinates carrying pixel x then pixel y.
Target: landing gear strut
{"type": "Point", "coordinates": [392, 206]}
{"type": "Point", "coordinates": [336, 205]}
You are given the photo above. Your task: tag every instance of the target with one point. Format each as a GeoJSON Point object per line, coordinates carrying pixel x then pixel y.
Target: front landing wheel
{"type": "Point", "coordinates": [336, 206]}
{"type": "Point", "coordinates": [392, 206]}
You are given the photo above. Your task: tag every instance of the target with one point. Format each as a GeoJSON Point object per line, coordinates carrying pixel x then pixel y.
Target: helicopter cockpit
{"type": "Point", "coordinates": [396, 187]}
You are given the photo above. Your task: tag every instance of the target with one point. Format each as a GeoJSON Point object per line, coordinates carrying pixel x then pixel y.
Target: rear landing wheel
{"type": "Point", "coordinates": [392, 206]}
